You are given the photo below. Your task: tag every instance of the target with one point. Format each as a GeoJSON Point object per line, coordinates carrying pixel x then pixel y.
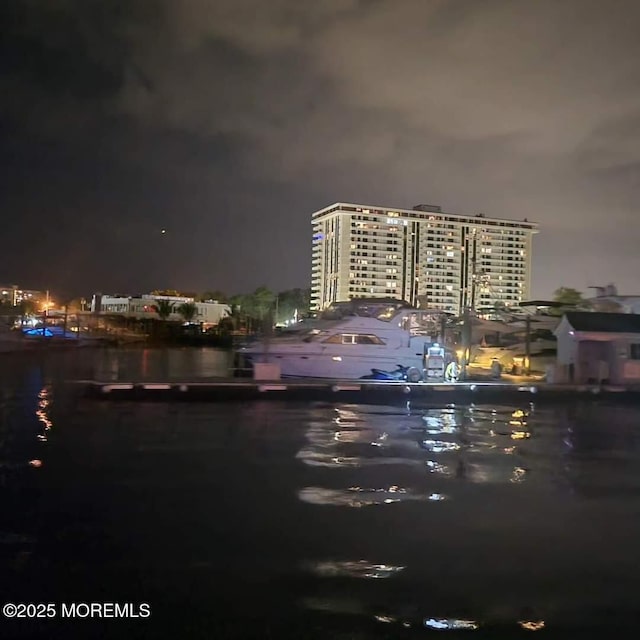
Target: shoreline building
{"type": "Point", "coordinates": [422, 255]}
{"type": "Point", "coordinates": [607, 299]}
{"type": "Point", "coordinates": [14, 295]}
{"type": "Point", "coordinates": [208, 314]}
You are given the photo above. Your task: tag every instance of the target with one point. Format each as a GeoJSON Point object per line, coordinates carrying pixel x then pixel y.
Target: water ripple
{"type": "Point", "coordinates": [354, 569]}
{"type": "Point", "coordinates": [451, 624]}
{"type": "Point", "coordinates": [358, 497]}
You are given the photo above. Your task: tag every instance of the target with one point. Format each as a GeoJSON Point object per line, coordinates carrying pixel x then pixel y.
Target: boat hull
{"type": "Point", "coordinates": [333, 366]}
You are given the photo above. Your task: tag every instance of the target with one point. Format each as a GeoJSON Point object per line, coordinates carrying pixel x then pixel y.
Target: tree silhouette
{"type": "Point", "coordinates": [26, 308]}
{"type": "Point", "coordinates": [77, 304]}
{"type": "Point", "coordinates": [188, 310]}
{"type": "Point", "coordinates": [165, 292]}
{"type": "Point", "coordinates": [254, 309]}
{"type": "Point", "coordinates": [570, 299]}
{"type": "Point", "coordinates": [217, 296]}
{"type": "Point", "coordinates": [163, 308]}
{"type": "Point", "coordinates": [291, 301]}
{"type": "Point", "coordinates": [262, 300]}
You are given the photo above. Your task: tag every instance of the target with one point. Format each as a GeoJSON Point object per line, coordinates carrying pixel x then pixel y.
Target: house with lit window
{"type": "Point", "coordinates": [597, 348]}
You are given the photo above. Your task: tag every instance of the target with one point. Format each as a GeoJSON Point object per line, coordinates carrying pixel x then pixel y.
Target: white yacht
{"type": "Point", "coordinates": [353, 338]}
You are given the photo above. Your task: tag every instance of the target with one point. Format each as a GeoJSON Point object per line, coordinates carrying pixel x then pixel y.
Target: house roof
{"type": "Point", "coordinates": [542, 303]}
{"type": "Point", "coordinates": [614, 296]}
{"type": "Point", "coordinates": [604, 322]}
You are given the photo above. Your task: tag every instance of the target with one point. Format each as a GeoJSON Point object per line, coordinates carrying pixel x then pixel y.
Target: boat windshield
{"type": "Point", "coordinates": [382, 309]}
{"type": "Point", "coordinates": [313, 334]}
{"type": "Point", "coordinates": [423, 323]}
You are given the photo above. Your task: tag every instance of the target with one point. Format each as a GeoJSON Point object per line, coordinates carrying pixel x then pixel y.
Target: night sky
{"type": "Point", "coordinates": [227, 122]}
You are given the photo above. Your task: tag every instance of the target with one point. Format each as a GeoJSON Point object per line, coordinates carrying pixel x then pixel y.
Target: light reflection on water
{"type": "Point", "coordinates": [353, 569]}
{"type": "Point", "coordinates": [400, 459]}
{"type": "Point", "coordinates": [463, 443]}
{"type": "Point", "coordinates": [27, 386]}
{"type": "Point", "coordinates": [153, 364]}
{"type": "Point", "coordinates": [42, 414]}
{"type": "Point", "coordinates": [359, 497]}
{"type": "Point", "coordinates": [392, 515]}
{"type": "Point", "coordinates": [451, 624]}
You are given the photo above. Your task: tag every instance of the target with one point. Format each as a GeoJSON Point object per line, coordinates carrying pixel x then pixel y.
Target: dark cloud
{"type": "Point", "coordinates": [228, 122]}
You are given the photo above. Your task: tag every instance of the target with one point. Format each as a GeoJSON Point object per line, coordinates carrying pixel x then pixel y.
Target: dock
{"type": "Point", "coordinates": [352, 391]}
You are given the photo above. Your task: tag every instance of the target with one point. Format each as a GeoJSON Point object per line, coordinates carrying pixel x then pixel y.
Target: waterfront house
{"type": "Point", "coordinates": [596, 348]}
{"type": "Point", "coordinates": [208, 314]}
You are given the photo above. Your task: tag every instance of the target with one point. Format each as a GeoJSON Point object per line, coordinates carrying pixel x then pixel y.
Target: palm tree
{"type": "Point", "coordinates": [163, 308]}
{"type": "Point", "coordinates": [188, 310]}
{"type": "Point", "coordinates": [262, 300]}
{"type": "Point", "coordinates": [26, 308]}
{"type": "Point", "coordinates": [239, 316]}
{"type": "Point", "coordinates": [291, 301]}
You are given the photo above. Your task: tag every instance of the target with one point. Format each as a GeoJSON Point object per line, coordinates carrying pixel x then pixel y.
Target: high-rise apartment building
{"type": "Point", "coordinates": [13, 295]}
{"type": "Point", "coordinates": [421, 255]}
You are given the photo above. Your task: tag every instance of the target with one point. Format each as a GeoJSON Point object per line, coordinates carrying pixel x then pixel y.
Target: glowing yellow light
{"type": "Point", "coordinates": [532, 625]}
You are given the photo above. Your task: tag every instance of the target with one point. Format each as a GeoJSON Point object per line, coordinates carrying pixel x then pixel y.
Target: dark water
{"type": "Point", "coordinates": [280, 520]}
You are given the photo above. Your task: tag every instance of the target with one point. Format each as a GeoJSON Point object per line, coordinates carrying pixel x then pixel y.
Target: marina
{"type": "Point", "coordinates": [319, 321]}
{"type": "Point", "coordinates": [363, 338]}
{"type": "Point", "coordinates": [313, 509]}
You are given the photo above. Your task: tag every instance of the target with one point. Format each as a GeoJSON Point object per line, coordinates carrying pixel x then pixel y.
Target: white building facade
{"type": "Point", "coordinates": [207, 313]}
{"type": "Point", "coordinates": [607, 299]}
{"type": "Point", "coordinates": [421, 255]}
